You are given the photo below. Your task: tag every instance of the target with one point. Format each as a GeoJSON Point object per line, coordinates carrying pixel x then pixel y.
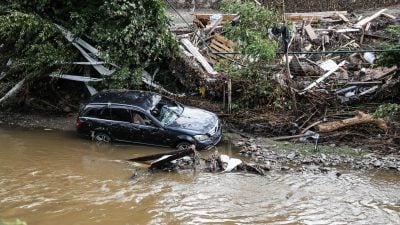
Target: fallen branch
{"type": "Point", "coordinates": [360, 118]}
{"type": "Point", "coordinates": [13, 91]}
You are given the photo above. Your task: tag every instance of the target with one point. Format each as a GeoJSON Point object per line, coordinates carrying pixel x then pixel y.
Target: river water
{"type": "Point", "coordinates": [54, 177]}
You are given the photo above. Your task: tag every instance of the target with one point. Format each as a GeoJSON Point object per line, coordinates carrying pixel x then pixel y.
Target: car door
{"type": "Point", "coordinates": [153, 134]}
{"type": "Point", "coordinates": [122, 128]}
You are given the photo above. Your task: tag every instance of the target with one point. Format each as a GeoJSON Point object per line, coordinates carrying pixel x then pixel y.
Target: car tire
{"type": "Point", "coordinates": [183, 145]}
{"type": "Point", "coordinates": [101, 138]}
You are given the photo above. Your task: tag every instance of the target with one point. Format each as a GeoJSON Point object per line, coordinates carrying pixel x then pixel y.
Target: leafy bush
{"type": "Point", "coordinates": [391, 58]}
{"type": "Point", "coordinates": [255, 84]}
{"type": "Point", "coordinates": [387, 111]}
{"type": "Point", "coordinates": [131, 34]}
{"type": "Point", "coordinates": [251, 33]}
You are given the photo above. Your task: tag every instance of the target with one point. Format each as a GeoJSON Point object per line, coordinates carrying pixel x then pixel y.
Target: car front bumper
{"type": "Point", "coordinates": [214, 140]}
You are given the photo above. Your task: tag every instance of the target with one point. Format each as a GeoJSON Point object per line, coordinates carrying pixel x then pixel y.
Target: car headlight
{"type": "Point", "coordinates": [201, 137]}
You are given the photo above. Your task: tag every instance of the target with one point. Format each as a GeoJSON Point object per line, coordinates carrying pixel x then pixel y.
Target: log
{"type": "Point", "coordinates": [360, 118]}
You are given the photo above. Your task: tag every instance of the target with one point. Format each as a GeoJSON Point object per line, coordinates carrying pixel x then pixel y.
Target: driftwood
{"type": "Point", "coordinates": [360, 118]}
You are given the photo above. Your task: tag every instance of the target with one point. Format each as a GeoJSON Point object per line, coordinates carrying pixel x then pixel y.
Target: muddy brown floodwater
{"type": "Point", "coordinates": [53, 177]}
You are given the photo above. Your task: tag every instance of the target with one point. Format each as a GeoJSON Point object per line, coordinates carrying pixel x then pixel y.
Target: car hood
{"type": "Point", "coordinates": [196, 120]}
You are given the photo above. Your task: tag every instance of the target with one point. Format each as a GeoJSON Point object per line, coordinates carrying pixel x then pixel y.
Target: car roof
{"type": "Point", "coordinates": [142, 99]}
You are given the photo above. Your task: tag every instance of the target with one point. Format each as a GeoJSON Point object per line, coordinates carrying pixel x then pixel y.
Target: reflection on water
{"type": "Point", "coordinates": [53, 177]}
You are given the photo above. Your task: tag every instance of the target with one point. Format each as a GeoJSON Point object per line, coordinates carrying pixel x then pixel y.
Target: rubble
{"type": "Point", "coordinates": [332, 60]}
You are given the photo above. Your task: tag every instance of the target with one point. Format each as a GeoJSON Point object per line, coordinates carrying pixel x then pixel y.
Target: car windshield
{"type": "Point", "coordinates": [167, 111]}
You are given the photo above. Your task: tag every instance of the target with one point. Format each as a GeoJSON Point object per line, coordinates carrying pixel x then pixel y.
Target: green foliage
{"type": "Point", "coordinates": [387, 111]}
{"type": "Point", "coordinates": [391, 58]}
{"type": "Point", "coordinates": [251, 33]}
{"type": "Point", "coordinates": [256, 86]}
{"type": "Point", "coordinates": [132, 34]}
{"type": "Point", "coordinates": [34, 45]}
{"type": "Point", "coordinates": [394, 30]}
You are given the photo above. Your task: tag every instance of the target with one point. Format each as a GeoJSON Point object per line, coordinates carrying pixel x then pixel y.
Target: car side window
{"type": "Point", "coordinates": [96, 111]}
{"type": "Point", "coordinates": [104, 113]}
{"type": "Point", "coordinates": [141, 119]}
{"type": "Point", "coordinates": [121, 114]}
{"type": "Point", "coordinates": [91, 112]}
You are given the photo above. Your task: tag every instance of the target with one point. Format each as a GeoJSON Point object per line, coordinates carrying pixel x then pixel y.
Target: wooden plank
{"type": "Point", "coordinates": [321, 14]}
{"type": "Point", "coordinates": [215, 25]}
{"type": "Point", "coordinates": [323, 77]}
{"type": "Point", "coordinates": [347, 30]}
{"type": "Point", "coordinates": [369, 19]}
{"type": "Point", "coordinates": [389, 16]}
{"type": "Point", "coordinates": [343, 17]}
{"type": "Point", "coordinates": [296, 18]}
{"type": "Point", "coordinates": [225, 40]}
{"type": "Point", "coordinates": [216, 47]}
{"type": "Point", "coordinates": [220, 45]}
{"type": "Point", "coordinates": [310, 32]}
{"type": "Point", "coordinates": [200, 58]}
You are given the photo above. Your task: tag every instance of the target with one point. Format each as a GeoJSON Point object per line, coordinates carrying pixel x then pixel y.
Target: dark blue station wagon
{"type": "Point", "coordinates": [148, 118]}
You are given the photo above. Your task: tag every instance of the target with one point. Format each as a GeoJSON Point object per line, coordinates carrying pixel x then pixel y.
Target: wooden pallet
{"type": "Point", "coordinates": [220, 43]}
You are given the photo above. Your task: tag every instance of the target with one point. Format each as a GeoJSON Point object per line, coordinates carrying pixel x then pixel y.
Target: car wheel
{"type": "Point", "coordinates": [183, 145]}
{"type": "Point", "coordinates": [102, 138]}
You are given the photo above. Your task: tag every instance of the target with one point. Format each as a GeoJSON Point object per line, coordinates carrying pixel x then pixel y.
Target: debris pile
{"type": "Point", "coordinates": [332, 56]}
{"type": "Point", "coordinates": [190, 159]}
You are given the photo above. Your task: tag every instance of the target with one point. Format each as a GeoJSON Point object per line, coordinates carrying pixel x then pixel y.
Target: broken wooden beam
{"type": "Point", "coordinates": [199, 57]}
{"type": "Point", "coordinates": [323, 77]}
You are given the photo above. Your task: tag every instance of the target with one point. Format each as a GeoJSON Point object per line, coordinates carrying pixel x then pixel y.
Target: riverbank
{"type": "Point", "coordinates": [64, 122]}
{"type": "Point", "coordinates": [285, 156]}
{"type": "Point", "coordinates": [304, 155]}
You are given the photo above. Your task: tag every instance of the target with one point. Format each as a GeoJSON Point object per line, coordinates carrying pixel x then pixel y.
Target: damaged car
{"type": "Point", "coordinates": [143, 117]}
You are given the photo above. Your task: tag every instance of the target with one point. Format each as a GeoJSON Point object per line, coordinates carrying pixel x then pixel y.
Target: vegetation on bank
{"type": "Point", "coordinates": [254, 78]}
{"type": "Point", "coordinates": [132, 34]}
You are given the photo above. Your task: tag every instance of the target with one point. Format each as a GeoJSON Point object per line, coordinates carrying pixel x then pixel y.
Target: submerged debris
{"type": "Point", "coordinates": [190, 159]}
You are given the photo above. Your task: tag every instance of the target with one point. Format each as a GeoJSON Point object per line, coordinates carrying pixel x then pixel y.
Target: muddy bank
{"type": "Point", "coordinates": [45, 121]}
{"type": "Point", "coordinates": [300, 157]}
